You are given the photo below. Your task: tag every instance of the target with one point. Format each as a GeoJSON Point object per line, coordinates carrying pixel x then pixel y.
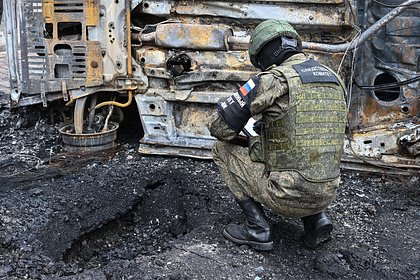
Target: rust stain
{"type": "Point", "coordinates": [234, 62]}
{"type": "Point", "coordinates": [48, 10]}
{"type": "Point", "coordinates": [192, 36]}
{"type": "Point", "coordinates": [94, 67]}
{"type": "Point", "coordinates": [92, 13]}
{"type": "Point", "coordinates": [373, 112]}
{"type": "Point", "coordinates": [200, 35]}
{"type": "Point", "coordinates": [193, 120]}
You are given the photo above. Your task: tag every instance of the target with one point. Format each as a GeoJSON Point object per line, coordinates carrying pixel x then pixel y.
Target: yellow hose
{"type": "Point", "coordinates": [122, 105]}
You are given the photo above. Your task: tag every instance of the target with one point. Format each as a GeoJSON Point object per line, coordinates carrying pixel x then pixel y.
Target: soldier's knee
{"type": "Point", "coordinates": [216, 149]}
{"type": "Point", "coordinates": [220, 150]}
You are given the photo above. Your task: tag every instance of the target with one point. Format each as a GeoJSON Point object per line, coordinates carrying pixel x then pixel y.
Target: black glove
{"type": "Point", "coordinates": [258, 126]}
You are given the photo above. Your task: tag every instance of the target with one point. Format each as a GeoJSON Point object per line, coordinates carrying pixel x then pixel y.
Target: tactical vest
{"type": "Point", "coordinates": [309, 137]}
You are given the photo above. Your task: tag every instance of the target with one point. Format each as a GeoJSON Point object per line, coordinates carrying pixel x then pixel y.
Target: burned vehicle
{"type": "Point", "coordinates": [175, 59]}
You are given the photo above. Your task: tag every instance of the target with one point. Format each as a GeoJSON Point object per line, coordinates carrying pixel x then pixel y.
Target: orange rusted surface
{"type": "Point", "coordinates": [375, 113]}
{"type": "Point", "coordinates": [86, 54]}
{"type": "Point", "coordinates": [94, 68]}
{"type": "Point", "coordinates": [192, 36]}
{"type": "Point", "coordinates": [92, 13]}
{"type": "Point", "coordinates": [48, 10]}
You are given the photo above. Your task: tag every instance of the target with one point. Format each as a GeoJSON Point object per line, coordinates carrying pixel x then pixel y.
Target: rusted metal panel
{"type": "Point", "coordinates": [54, 46]}
{"type": "Point", "coordinates": [393, 53]}
{"type": "Point", "coordinates": [11, 29]}
{"type": "Point", "coordinates": [208, 66]}
{"type": "Point", "coordinates": [173, 127]}
{"type": "Point", "coordinates": [238, 60]}
{"type": "Point", "coordinates": [380, 115]}
{"type": "Point", "coordinates": [329, 13]}
{"type": "Point", "coordinates": [67, 46]}
{"type": "Point", "coordinates": [192, 36]}
{"type": "Point", "coordinates": [92, 13]}
{"type": "Point", "coordinates": [94, 66]}
{"type": "Point", "coordinates": [205, 67]}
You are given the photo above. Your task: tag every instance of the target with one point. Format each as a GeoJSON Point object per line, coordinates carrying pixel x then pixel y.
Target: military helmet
{"type": "Point", "coordinates": [267, 31]}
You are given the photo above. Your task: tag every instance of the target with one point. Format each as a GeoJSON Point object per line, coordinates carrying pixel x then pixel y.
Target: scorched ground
{"type": "Point", "coordinates": [120, 215]}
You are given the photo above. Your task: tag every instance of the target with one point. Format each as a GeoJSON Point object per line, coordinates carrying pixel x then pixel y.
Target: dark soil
{"type": "Point", "coordinates": [120, 215]}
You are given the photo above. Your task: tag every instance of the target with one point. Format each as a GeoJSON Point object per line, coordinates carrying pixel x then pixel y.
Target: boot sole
{"type": "Point", "coordinates": [266, 246]}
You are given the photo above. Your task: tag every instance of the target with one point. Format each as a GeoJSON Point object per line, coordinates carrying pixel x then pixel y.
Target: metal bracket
{"type": "Point", "coordinates": [43, 95]}
{"type": "Point", "coordinates": [11, 32]}
{"type": "Point", "coordinates": [126, 84]}
{"type": "Point", "coordinates": [14, 96]}
{"type": "Point", "coordinates": [64, 90]}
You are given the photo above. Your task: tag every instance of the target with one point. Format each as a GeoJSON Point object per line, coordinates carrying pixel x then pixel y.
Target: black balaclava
{"type": "Point", "coordinates": [277, 51]}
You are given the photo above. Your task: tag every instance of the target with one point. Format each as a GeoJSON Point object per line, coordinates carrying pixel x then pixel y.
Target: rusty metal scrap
{"type": "Point", "coordinates": [365, 35]}
{"type": "Point", "coordinates": [89, 142]}
{"type": "Point", "coordinates": [192, 36]}
{"type": "Point", "coordinates": [409, 142]}
{"type": "Point", "coordinates": [189, 36]}
{"type": "Point", "coordinates": [310, 12]}
{"type": "Point", "coordinates": [66, 46]}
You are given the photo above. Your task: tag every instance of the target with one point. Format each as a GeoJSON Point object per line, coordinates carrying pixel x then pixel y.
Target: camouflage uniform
{"type": "Point", "coordinates": [285, 192]}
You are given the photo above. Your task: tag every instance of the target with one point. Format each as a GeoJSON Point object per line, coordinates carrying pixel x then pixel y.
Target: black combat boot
{"type": "Point", "coordinates": [317, 229]}
{"type": "Point", "coordinates": [255, 232]}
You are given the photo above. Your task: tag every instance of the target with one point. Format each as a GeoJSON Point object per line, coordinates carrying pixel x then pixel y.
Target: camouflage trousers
{"type": "Point", "coordinates": [286, 193]}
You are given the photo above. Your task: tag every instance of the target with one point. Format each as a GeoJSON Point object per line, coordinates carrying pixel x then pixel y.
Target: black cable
{"type": "Point", "coordinates": [390, 85]}
{"type": "Point", "coordinates": [389, 91]}
{"type": "Point", "coordinates": [392, 6]}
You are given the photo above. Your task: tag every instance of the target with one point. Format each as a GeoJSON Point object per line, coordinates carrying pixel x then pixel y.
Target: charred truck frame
{"type": "Point", "coordinates": [175, 59]}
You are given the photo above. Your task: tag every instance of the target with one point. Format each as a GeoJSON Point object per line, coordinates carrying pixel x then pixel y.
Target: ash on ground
{"type": "Point", "coordinates": [119, 215]}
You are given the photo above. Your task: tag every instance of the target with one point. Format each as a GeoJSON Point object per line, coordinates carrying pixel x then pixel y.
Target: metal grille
{"type": "Point", "coordinates": [79, 63]}
{"type": "Point", "coordinates": [34, 51]}
{"type": "Point", "coordinates": [55, 45]}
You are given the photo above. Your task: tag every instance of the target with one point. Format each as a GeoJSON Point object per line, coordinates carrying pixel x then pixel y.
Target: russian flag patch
{"type": "Point", "coordinates": [246, 88]}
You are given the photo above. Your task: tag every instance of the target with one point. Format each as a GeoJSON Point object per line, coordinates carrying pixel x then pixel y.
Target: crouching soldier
{"type": "Point", "coordinates": [292, 167]}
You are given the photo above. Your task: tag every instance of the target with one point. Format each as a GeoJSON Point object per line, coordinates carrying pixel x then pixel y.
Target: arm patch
{"type": "Point", "coordinates": [235, 109]}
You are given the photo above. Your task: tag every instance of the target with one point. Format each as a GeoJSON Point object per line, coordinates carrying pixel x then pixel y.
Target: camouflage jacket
{"type": "Point", "coordinates": [271, 98]}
